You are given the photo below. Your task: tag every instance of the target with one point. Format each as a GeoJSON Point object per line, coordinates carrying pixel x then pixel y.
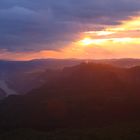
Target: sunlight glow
{"type": "Point", "coordinates": [100, 33]}
{"type": "Point", "coordinates": [86, 41]}
{"type": "Point", "coordinates": [109, 41]}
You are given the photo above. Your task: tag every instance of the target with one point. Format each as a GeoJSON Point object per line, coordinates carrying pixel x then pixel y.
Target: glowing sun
{"type": "Point", "coordinates": [86, 41]}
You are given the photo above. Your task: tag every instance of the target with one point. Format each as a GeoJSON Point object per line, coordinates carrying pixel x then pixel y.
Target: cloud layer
{"type": "Point", "coordinates": [36, 25]}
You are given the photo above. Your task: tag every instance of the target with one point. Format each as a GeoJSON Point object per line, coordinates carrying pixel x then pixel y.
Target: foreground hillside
{"type": "Point", "coordinates": [117, 132]}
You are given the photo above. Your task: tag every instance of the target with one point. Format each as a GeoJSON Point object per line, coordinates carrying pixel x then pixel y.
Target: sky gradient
{"type": "Point", "coordinates": [90, 29]}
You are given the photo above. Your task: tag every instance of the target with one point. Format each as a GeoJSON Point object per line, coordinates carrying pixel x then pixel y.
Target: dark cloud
{"type": "Point", "coordinates": [32, 25]}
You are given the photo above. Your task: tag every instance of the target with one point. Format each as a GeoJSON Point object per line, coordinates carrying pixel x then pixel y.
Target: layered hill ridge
{"type": "Point", "coordinates": [23, 76]}
{"type": "Point", "coordinates": [86, 95]}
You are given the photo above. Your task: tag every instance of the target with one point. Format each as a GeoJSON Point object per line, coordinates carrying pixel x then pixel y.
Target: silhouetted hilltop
{"type": "Point", "coordinates": [89, 76]}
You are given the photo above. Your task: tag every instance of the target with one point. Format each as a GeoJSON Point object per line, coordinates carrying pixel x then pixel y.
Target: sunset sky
{"type": "Point", "coordinates": [85, 29]}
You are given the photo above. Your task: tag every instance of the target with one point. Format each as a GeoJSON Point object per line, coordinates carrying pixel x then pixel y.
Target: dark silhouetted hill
{"type": "Point", "coordinates": [86, 95]}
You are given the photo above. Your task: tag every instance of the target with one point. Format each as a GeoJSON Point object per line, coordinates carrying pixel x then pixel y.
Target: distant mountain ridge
{"type": "Point", "coordinates": [125, 61]}
{"type": "Point", "coordinates": [23, 76]}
